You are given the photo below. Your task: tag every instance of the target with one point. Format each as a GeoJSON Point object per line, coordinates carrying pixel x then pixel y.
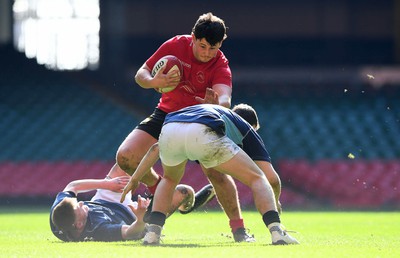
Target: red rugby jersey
{"type": "Point", "coordinates": [197, 76]}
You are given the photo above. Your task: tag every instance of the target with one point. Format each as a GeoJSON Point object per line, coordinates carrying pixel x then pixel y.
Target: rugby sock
{"type": "Point", "coordinates": [235, 224]}
{"type": "Point", "coordinates": [271, 217]}
{"type": "Point", "coordinates": [157, 218]}
{"type": "Point", "coordinates": [152, 189]}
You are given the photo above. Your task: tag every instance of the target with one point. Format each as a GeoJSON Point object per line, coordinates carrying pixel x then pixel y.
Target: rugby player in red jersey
{"type": "Point", "coordinates": [206, 78]}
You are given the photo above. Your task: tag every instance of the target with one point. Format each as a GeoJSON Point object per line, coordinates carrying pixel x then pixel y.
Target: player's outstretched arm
{"type": "Point", "coordinates": [273, 179]}
{"type": "Point", "coordinates": [144, 166]}
{"type": "Point", "coordinates": [135, 230]}
{"type": "Point", "coordinates": [220, 94]}
{"type": "Point", "coordinates": [224, 94]}
{"type": "Point", "coordinates": [116, 184]}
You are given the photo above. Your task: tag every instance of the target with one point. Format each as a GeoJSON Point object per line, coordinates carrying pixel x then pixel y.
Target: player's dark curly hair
{"type": "Point", "coordinates": [210, 27]}
{"type": "Point", "coordinates": [248, 113]}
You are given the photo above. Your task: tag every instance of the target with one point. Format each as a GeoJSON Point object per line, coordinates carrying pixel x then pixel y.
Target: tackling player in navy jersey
{"type": "Point", "coordinates": [218, 138]}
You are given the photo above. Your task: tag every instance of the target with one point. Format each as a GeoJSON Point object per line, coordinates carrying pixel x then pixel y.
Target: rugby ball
{"type": "Point", "coordinates": [172, 63]}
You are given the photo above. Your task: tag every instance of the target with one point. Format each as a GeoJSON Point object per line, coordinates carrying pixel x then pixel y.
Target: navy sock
{"type": "Point", "coordinates": [271, 217]}
{"type": "Point", "coordinates": [157, 218]}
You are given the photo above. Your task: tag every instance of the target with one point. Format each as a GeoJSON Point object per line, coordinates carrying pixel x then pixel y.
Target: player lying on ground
{"type": "Point", "coordinates": [209, 134]}
{"type": "Point", "coordinates": [104, 218]}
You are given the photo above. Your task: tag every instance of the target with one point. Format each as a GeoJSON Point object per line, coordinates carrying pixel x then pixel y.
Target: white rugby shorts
{"type": "Point", "coordinates": [192, 141]}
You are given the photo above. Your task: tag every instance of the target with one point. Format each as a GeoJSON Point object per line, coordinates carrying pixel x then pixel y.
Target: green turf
{"type": "Point", "coordinates": [206, 234]}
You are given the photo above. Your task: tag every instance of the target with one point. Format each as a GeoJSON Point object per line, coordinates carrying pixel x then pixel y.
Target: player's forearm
{"type": "Point", "coordinates": [146, 163]}
{"type": "Point", "coordinates": [224, 94]}
{"type": "Point", "coordinates": [85, 185]}
{"type": "Point", "coordinates": [225, 101]}
{"type": "Point", "coordinates": [133, 231]}
{"type": "Point", "coordinates": [144, 79]}
{"type": "Point", "coordinates": [144, 167]}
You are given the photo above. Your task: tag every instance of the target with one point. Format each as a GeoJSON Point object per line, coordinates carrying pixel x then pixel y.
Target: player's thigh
{"type": "Point", "coordinates": [174, 173]}
{"type": "Point", "coordinates": [136, 144]}
{"type": "Point", "coordinates": [216, 177]}
{"type": "Point", "coordinates": [241, 167]}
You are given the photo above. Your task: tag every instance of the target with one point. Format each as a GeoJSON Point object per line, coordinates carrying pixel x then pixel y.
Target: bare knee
{"type": "Point", "coordinates": [276, 184]}
{"type": "Point", "coordinates": [126, 160]}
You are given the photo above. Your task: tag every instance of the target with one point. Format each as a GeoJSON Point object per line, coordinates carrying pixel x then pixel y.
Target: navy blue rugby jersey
{"type": "Point", "coordinates": [104, 221]}
{"type": "Point", "coordinates": [224, 122]}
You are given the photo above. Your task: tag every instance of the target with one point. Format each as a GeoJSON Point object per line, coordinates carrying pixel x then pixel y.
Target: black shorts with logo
{"type": "Point", "coordinates": [152, 124]}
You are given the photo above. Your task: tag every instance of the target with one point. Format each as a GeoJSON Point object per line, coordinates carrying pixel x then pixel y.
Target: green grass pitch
{"type": "Point", "coordinates": [26, 233]}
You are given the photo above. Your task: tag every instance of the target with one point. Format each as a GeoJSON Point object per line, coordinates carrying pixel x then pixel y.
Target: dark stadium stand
{"type": "Point", "coordinates": [334, 145]}
{"type": "Point", "coordinates": [49, 116]}
{"type": "Point", "coordinates": [54, 128]}
{"type": "Point", "coordinates": [331, 127]}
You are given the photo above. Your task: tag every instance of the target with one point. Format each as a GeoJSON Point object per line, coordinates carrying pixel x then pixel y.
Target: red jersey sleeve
{"type": "Point", "coordinates": [223, 73]}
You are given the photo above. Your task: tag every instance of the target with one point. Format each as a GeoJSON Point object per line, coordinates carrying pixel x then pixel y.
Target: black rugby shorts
{"type": "Point", "coordinates": [152, 124]}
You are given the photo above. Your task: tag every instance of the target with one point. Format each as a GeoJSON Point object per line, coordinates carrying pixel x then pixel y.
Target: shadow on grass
{"type": "Point", "coordinates": [170, 245]}
{"type": "Point", "coordinates": [189, 245]}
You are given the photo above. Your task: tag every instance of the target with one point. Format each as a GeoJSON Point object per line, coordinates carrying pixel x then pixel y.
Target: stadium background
{"type": "Point", "coordinates": [323, 76]}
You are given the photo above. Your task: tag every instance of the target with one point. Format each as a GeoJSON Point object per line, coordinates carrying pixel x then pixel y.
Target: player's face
{"type": "Point", "coordinates": [81, 213]}
{"type": "Point", "coordinates": [203, 51]}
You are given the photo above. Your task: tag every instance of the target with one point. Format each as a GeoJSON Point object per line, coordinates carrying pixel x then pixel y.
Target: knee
{"type": "Point", "coordinates": [126, 161]}
{"type": "Point", "coordinates": [275, 183]}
